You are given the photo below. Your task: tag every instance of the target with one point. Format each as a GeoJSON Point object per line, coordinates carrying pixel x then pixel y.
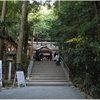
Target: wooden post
{"type": "Point", "coordinates": [31, 47]}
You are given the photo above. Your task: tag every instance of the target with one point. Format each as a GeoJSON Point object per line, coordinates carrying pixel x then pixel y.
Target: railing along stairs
{"type": "Point", "coordinates": [29, 69]}
{"type": "Point", "coordinates": [65, 67]}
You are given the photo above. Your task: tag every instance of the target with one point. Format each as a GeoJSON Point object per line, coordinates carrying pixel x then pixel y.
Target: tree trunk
{"type": "Point", "coordinates": [59, 5]}
{"type": "Point", "coordinates": [2, 30]}
{"type": "Point", "coordinates": [26, 35]}
{"type": "Point", "coordinates": [31, 48]}
{"type": "Point", "coordinates": [22, 32]}
{"type": "Point", "coordinates": [96, 9]}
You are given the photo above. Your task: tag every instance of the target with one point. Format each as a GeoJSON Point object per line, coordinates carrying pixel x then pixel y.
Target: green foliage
{"type": "Point", "coordinates": [13, 10]}
{"type": "Point", "coordinates": [41, 21]}
{"type": "Point", "coordinates": [2, 24]}
{"type": "Point", "coordinates": [25, 63]}
{"type": "Point", "coordinates": [95, 88]}
{"type": "Point", "coordinates": [76, 29]}
{"type": "Point", "coordinates": [77, 80]}
{"type": "Point", "coordinates": [78, 39]}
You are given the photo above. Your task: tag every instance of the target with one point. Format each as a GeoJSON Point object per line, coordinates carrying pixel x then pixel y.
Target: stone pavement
{"type": "Point", "coordinates": [42, 92]}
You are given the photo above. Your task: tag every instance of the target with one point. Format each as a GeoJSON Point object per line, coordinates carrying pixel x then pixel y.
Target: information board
{"type": "Point", "coordinates": [20, 78]}
{"type": "Point", "coordinates": [0, 74]}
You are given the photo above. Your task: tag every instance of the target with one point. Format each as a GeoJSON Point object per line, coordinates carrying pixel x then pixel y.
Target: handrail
{"type": "Point", "coordinates": [29, 69]}
{"type": "Point", "coordinates": [64, 64]}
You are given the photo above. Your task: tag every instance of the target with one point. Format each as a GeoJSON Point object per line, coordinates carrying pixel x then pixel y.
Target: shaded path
{"type": "Point", "coordinates": [42, 92]}
{"type": "Point", "coordinates": [44, 72]}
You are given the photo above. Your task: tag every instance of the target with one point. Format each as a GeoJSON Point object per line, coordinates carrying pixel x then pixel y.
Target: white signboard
{"type": "Point", "coordinates": [20, 78]}
{"type": "Point", "coordinates": [0, 73]}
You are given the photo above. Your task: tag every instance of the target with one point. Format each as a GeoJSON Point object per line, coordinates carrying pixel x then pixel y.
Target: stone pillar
{"type": "Point", "coordinates": [9, 76]}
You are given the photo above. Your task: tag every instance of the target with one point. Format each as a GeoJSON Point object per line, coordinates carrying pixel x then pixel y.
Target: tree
{"type": "Point", "coordinates": [22, 32]}
{"type": "Point", "coordinates": [3, 16]}
{"type": "Point", "coordinates": [75, 28]}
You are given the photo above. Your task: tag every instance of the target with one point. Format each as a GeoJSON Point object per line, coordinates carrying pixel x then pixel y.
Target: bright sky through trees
{"type": "Point", "coordinates": [42, 1]}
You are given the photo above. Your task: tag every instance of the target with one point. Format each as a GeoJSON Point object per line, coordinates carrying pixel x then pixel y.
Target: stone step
{"type": "Point", "coordinates": [49, 75]}
{"type": "Point", "coordinates": [55, 67]}
{"type": "Point", "coordinates": [46, 69]}
{"type": "Point", "coordinates": [49, 83]}
{"type": "Point", "coordinates": [49, 72]}
{"type": "Point", "coordinates": [48, 78]}
{"type": "Point", "coordinates": [39, 66]}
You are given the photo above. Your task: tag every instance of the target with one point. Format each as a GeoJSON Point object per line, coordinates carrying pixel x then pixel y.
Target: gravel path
{"type": "Point", "coordinates": [41, 92]}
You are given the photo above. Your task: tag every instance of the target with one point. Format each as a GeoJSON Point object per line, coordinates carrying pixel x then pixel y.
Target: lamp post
{"type": "Point", "coordinates": [10, 52]}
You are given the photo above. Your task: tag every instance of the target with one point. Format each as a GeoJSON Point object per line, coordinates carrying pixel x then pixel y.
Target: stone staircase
{"type": "Point", "coordinates": [47, 73]}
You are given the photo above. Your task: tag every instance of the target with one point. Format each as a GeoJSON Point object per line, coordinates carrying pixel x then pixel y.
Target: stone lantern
{"type": "Point", "coordinates": [10, 52]}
